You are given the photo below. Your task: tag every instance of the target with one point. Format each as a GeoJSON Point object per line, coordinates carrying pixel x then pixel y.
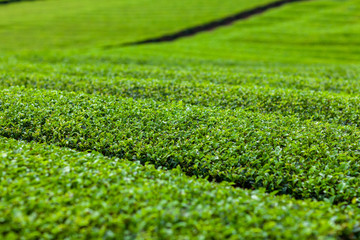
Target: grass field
{"type": "Point", "coordinates": [247, 131]}
{"type": "Point", "coordinates": [89, 23]}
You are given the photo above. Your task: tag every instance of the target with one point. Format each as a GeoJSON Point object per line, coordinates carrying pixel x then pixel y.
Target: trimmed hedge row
{"type": "Point", "coordinates": [317, 78]}
{"type": "Point", "coordinates": [304, 159]}
{"type": "Point", "coordinates": [321, 106]}
{"type": "Point", "coordinates": [53, 193]}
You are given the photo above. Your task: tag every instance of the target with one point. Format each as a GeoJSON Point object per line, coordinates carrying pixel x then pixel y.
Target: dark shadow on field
{"type": "Point", "coordinates": [14, 1]}
{"type": "Point", "coordinates": [210, 25]}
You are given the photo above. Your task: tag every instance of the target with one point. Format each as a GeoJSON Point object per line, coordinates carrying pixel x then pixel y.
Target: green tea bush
{"type": "Point", "coordinates": [305, 159]}
{"type": "Point", "coordinates": [260, 104]}
{"type": "Point", "coordinates": [49, 71]}
{"type": "Point", "coordinates": [305, 104]}
{"type": "Point", "coordinates": [52, 193]}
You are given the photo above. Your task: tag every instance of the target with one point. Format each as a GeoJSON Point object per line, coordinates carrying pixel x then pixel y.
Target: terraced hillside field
{"type": "Point", "coordinates": [246, 131]}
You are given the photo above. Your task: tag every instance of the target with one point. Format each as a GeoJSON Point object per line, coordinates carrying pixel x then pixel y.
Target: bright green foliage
{"type": "Point", "coordinates": [91, 23]}
{"type": "Point", "coordinates": [270, 103]}
{"type": "Point", "coordinates": [305, 159]}
{"type": "Point", "coordinates": [53, 193]}
{"type": "Point", "coordinates": [320, 31]}
{"type": "Point", "coordinates": [322, 106]}
{"type": "Point", "coordinates": [53, 71]}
